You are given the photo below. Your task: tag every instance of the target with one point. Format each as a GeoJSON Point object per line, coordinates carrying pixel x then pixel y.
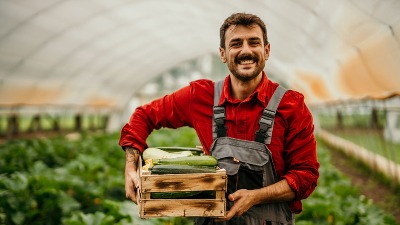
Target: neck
{"type": "Point", "coordinates": [243, 89]}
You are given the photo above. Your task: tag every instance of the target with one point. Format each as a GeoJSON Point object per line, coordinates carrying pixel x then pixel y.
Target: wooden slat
{"type": "Point", "coordinates": [182, 208]}
{"type": "Point", "coordinates": [183, 182]}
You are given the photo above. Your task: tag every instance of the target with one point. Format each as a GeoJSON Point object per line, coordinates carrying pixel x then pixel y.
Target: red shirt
{"type": "Point", "coordinates": [293, 145]}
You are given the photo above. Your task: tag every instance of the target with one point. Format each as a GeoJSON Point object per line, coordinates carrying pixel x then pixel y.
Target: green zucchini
{"type": "Point", "coordinates": [155, 153]}
{"type": "Point", "coordinates": [204, 160]}
{"type": "Point", "coordinates": [181, 169]}
{"type": "Point", "coordinates": [194, 151]}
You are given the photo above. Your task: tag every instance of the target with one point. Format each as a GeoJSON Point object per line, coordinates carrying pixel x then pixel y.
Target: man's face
{"type": "Point", "coordinates": [244, 53]}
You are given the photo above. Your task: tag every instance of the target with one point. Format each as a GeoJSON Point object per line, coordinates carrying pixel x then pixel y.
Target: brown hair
{"type": "Point", "coordinates": [244, 19]}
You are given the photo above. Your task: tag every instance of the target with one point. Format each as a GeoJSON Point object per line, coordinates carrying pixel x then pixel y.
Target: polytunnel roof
{"type": "Point", "coordinates": [98, 52]}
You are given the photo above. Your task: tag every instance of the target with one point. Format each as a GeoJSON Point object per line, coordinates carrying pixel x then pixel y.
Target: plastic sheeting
{"type": "Point", "coordinates": [97, 53]}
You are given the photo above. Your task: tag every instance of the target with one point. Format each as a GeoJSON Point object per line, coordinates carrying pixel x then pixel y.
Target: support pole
{"type": "Point", "coordinates": [35, 125]}
{"type": "Point", "coordinates": [339, 120]}
{"type": "Point", "coordinates": [12, 125]}
{"type": "Point", "coordinates": [78, 122]}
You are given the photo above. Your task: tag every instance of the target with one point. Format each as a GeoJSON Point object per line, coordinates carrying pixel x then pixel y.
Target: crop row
{"type": "Point", "coordinates": [80, 180]}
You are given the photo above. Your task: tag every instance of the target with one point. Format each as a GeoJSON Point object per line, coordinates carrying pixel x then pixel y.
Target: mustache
{"type": "Point", "coordinates": [246, 57]}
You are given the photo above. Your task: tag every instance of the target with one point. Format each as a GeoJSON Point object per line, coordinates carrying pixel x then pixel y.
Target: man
{"type": "Point", "coordinates": [261, 133]}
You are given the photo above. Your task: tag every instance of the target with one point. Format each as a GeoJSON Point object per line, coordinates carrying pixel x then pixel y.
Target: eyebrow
{"type": "Point", "coordinates": [240, 39]}
{"type": "Point", "coordinates": [254, 38]}
{"type": "Point", "coordinates": [235, 40]}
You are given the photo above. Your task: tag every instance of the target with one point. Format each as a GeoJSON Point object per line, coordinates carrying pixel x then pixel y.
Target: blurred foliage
{"type": "Point", "coordinates": [336, 201]}
{"type": "Point", "coordinates": [81, 181]}
{"type": "Point", "coordinates": [66, 122]}
{"type": "Point", "coordinates": [43, 181]}
{"type": "Point", "coordinates": [183, 136]}
{"type": "Point", "coordinates": [359, 130]}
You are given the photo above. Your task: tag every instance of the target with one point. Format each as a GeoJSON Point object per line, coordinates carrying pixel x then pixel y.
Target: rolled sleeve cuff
{"type": "Point", "coordinates": [128, 139]}
{"type": "Point", "coordinates": [302, 187]}
{"type": "Point", "coordinates": [292, 184]}
{"type": "Point", "coordinates": [295, 205]}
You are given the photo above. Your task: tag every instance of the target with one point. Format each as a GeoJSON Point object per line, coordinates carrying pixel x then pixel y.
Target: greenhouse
{"type": "Point", "coordinates": [72, 72]}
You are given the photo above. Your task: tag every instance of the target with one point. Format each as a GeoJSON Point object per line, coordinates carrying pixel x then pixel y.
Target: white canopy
{"type": "Point", "coordinates": [99, 52]}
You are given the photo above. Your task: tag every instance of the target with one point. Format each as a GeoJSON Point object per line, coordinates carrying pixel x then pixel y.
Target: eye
{"type": "Point", "coordinates": [235, 44]}
{"type": "Point", "coordinates": [254, 42]}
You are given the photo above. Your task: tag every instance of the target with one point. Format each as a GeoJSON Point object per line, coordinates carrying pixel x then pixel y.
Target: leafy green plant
{"type": "Point", "coordinates": [336, 201]}
{"type": "Point", "coordinates": [81, 181]}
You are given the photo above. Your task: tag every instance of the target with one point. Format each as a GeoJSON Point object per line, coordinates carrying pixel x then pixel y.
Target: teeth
{"type": "Point", "coordinates": [246, 62]}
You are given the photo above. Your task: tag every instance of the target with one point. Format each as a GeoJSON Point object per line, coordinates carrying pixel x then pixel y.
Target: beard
{"type": "Point", "coordinates": [246, 76]}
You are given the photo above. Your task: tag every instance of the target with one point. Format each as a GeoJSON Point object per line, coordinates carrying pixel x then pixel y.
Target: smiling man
{"type": "Point", "coordinates": [261, 133]}
{"type": "Point", "coordinates": [245, 50]}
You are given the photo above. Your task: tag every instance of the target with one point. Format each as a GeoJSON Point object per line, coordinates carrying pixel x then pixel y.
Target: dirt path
{"type": "Point", "coordinates": [385, 197]}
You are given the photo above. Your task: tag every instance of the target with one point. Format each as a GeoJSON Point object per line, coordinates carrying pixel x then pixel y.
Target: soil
{"type": "Point", "coordinates": [371, 185]}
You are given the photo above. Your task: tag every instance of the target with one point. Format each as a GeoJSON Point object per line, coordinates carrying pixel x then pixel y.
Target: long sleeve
{"type": "Point", "coordinates": [169, 111]}
{"type": "Point", "coordinates": [300, 150]}
{"type": "Point", "coordinates": [190, 106]}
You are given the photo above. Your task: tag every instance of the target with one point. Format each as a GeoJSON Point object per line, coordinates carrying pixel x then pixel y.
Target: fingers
{"type": "Point", "coordinates": [130, 191]}
{"type": "Point", "coordinates": [241, 204]}
{"type": "Point", "coordinates": [233, 212]}
{"type": "Point", "coordinates": [132, 196]}
{"type": "Point", "coordinates": [232, 197]}
{"type": "Point", "coordinates": [236, 210]}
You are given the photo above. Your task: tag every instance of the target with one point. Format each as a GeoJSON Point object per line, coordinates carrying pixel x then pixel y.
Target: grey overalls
{"type": "Point", "coordinates": [252, 168]}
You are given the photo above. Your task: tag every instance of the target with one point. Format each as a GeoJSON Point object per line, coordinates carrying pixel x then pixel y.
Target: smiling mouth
{"type": "Point", "coordinates": [246, 59]}
{"type": "Point", "coordinates": [246, 62]}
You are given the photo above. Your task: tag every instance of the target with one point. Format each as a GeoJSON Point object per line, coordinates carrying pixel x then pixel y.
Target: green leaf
{"type": "Point", "coordinates": [67, 203]}
{"type": "Point", "coordinates": [18, 218]}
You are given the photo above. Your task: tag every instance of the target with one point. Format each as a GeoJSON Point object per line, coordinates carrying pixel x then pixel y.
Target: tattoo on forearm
{"type": "Point", "coordinates": [132, 155]}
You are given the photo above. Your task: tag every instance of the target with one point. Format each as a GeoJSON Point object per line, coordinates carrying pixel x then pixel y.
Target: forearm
{"type": "Point", "coordinates": [131, 158]}
{"type": "Point", "coordinates": [131, 173]}
{"type": "Point", "coordinates": [278, 192]}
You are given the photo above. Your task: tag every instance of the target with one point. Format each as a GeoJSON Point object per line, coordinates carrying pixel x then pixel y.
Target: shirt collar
{"type": "Point", "coordinates": [260, 93]}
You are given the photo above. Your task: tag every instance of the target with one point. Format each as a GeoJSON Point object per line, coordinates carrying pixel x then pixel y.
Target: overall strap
{"type": "Point", "coordinates": [264, 134]}
{"type": "Point", "coordinates": [219, 128]}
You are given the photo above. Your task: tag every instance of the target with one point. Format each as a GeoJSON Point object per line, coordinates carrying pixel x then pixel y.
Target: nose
{"type": "Point", "coordinates": [246, 47]}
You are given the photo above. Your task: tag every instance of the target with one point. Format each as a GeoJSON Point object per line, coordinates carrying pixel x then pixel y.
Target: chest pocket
{"type": "Point", "coordinates": [244, 162]}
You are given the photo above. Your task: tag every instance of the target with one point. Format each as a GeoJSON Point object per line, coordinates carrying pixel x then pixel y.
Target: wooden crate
{"type": "Point", "coordinates": [149, 208]}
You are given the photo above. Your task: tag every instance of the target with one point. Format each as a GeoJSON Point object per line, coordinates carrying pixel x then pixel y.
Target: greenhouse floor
{"type": "Point", "coordinates": [368, 184]}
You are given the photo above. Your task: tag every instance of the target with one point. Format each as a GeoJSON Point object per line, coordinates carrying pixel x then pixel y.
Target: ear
{"type": "Point", "coordinates": [267, 49]}
{"type": "Point", "coordinates": [222, 54]}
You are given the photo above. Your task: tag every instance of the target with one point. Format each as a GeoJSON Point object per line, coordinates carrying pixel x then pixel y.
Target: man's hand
{"type": "Point", "coordinates": [243, 200]}
{"type": "Point", "coordinates": [131, 173]}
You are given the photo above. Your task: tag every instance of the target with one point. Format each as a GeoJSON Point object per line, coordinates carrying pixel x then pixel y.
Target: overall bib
{"type": "Point", "coordinates": [248, 165]}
